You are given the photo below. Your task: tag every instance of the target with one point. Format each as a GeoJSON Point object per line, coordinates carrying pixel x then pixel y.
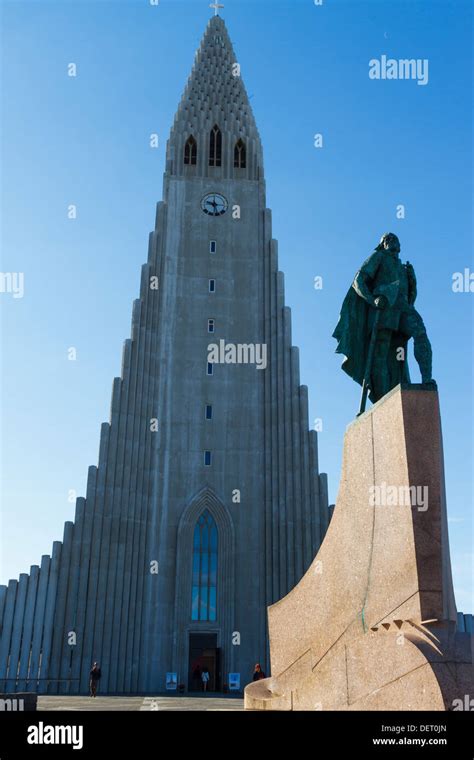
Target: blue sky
{"type": "Point", "coordinates": [85, 141]}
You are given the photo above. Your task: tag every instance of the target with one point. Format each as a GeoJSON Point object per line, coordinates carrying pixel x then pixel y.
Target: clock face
{"type": "Point", "coordinates": [214, 204]}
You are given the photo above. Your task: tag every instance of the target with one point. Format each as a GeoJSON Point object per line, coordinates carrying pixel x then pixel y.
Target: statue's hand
{"type": "Point", "coordinates": [380, 302]}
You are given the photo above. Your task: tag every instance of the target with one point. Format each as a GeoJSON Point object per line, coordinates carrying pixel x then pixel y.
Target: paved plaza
{"type": "Point", "coordinates": [147, 704]}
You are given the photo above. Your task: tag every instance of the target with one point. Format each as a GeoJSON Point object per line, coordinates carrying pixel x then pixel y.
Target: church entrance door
{"type": "Point", "coordinates": [204, 654]}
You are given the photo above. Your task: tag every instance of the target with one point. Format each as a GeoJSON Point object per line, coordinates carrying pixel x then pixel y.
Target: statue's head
{"type": "Point", "coordinates": [390, 243]}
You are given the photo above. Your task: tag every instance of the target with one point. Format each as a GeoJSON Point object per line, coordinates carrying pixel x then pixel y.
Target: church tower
{"type": "Point", "coordinates": [207, 504]}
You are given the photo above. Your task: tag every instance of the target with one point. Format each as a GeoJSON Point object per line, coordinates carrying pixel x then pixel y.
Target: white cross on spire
{"type": "Point", "coordinates": [216, 7]}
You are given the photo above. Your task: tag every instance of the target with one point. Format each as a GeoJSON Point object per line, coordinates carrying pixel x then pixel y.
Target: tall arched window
{"type": "Point", "coordinates": [215, 146]}
{"type": "Point", "coordinates": [204, 589]}
{"type": "Point", "coordinates": [240, 155]}
{"type": "Point", "coordinates": [190, 151]}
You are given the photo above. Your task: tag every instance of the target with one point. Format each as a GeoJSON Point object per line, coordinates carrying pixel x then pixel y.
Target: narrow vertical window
{"type": "Point", "coordinates": [204, 581]}
{"type": "Point", "coordinates": [212, 286]}
{"type": "Point", "coordinates": [210, 325]}
{"type": "Point", "coordinates": [207, 458]}
{"type": "Point", "coordinates": [240, 155]}
{"type": "Point", "coordinates": [215, 147]}
{"type": "Point", "coordinates": [208, 412]}
{"type": "Point", "coordinates": [212, 246]}
{"type": "Point", "coordinates": [210, 368]}
{"type": "Point", "coordinates": [190, 151]}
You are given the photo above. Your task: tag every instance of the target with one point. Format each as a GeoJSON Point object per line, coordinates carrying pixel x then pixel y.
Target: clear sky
{"type": "Point", "coordinates": [85, 141]}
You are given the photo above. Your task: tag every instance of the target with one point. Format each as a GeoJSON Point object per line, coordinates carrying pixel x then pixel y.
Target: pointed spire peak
{"type": "Point", "coordinates": [216, 26]}
{"type": "Point", "coordinates": [215, 90]}
{"type": "Point", "coordinates": [216, 21]}
{"type": "Point", "coordinates": [215, 95]}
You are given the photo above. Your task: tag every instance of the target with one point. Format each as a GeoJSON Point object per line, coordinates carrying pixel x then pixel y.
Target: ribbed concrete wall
{"type": "Point", "coordinates": [465, 623]}
{"type": "Point", "coordinates": [95, 598]}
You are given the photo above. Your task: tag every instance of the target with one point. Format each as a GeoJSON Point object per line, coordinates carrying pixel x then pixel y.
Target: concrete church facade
{"type": "Point", "coordinates": [207, 504]}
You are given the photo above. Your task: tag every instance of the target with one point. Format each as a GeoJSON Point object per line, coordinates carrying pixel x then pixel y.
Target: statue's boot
{"type": "Point", "coordinates": [424, 357]}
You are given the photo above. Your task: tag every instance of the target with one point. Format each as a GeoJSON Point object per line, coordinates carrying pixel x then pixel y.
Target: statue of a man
{"type": "Point", "coordinates": [378, 318]}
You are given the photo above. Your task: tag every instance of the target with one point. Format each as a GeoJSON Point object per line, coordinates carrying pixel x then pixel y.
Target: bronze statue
{"type": "Point", "coordinates": [377, 319]}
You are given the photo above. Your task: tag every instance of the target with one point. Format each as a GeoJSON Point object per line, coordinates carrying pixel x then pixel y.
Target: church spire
{"type": "Point", "coordinates": [215, 111]}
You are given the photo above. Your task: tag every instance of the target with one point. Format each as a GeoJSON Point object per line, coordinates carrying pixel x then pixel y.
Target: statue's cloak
{"type": "Point", "coordinates": [353, 333]}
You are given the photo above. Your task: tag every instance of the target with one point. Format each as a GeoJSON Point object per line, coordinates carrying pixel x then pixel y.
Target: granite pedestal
{"type": "Point", "coordinates": [372, 624]}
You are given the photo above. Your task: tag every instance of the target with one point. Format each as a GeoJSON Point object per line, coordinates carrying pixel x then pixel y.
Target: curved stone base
{"type": "Point", "coordinates": [372, 624]}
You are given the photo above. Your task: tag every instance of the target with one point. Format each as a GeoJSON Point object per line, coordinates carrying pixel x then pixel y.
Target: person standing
{"type": "Point", "coordinates": [205, 678]}
{"type": "Point", "coordinates": [258, 673]}
{"type": "Point", "coordinates": [94, 678]}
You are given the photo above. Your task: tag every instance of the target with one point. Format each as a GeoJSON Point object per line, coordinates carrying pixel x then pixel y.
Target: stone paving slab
{"type": "Point", "coordinates": [144, 704]}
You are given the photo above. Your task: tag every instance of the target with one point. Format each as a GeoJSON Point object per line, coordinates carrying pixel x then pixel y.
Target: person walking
{"type": "Point", "coordinates": [94, 678]}
{"type": "Point", "coordinates": [205, 678]}
{"type": "Point", "coordinates": [258, 673]}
